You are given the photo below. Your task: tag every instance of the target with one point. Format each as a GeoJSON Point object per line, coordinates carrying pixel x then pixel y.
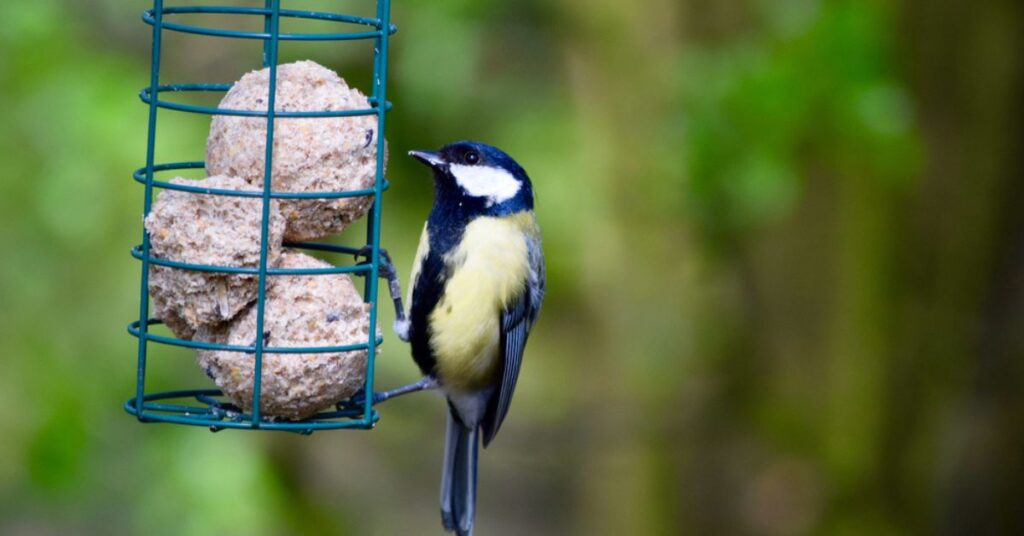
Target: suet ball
{"type": "Point", "coordinates": [211, 230]}
{"type": "Point", "coordinates": [310, 154]}
{"type": "Point", "coordinates": [301, 310]}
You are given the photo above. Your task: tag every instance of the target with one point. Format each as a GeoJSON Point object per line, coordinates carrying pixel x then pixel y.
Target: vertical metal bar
{"type": "Point", "coordinates": [268, 164]}
{"type": "Point", "coordinates": [267, 4]}
{"type": "Point", "coordinates": [375, 101]}
{"type": "Point", "coordinates": [154, 82]}
{"type": "Point", "coordinates": [373, 229]}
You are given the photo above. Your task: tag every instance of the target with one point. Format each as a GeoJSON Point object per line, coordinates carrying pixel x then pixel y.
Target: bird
{"type": "Point", "coordinates": [477, 286]}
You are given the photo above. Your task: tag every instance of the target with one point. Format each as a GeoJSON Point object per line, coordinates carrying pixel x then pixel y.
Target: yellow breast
{"type": "Point", "coordinates": [489, 269]}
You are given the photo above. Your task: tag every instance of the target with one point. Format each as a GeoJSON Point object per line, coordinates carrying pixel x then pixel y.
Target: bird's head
{"type": "Point", "coordinates": [478, 176]}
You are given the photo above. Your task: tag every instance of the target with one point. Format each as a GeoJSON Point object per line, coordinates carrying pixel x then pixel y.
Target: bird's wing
{"type": "Point", "coordinates": [516, 321]}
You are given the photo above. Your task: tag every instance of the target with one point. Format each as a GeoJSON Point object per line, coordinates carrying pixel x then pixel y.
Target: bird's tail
{"type": "Point", "coordinates": [458, 477]}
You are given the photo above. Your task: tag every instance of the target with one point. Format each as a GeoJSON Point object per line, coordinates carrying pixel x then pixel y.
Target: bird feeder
{"type": "Point", "coordinates": [210, 407]}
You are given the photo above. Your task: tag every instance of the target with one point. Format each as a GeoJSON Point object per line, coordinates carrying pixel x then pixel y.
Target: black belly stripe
{"type": "Point", "coordinates": [428, 291]}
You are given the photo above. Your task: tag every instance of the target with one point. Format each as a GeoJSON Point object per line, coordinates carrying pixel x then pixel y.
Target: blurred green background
{"type": "Point", "coordinates": [785, 242]}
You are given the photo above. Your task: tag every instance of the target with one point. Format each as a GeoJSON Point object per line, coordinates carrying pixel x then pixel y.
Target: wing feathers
{"type": "Point", "coordinates": [516, 321]}
{"type": "Point", "coordinates": [515, 329]}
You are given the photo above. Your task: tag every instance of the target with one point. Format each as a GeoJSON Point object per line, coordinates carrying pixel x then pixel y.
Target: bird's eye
{"type": "Point", "coordinates": [472, 157]}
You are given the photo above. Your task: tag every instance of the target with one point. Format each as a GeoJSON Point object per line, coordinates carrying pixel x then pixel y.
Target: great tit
{"type": "Point", "coordinates": [477, 287]}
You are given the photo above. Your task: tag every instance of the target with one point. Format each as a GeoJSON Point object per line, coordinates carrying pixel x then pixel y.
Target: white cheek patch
{"type": "Point", "coordinates": [495, 184]}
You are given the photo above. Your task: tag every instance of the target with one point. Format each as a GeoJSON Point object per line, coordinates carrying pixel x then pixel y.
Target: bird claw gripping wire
{"type": "Point", "coordinates": [386, 270]}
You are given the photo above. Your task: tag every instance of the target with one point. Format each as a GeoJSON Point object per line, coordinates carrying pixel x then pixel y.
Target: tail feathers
{"type": "Point", "coordinates": [450, 442]}
{"type": "Point", "coordinates": [458, 478]}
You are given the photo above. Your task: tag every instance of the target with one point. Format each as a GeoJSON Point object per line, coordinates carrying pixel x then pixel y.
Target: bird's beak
{"type": "Point", "coordinates": [429, 158]}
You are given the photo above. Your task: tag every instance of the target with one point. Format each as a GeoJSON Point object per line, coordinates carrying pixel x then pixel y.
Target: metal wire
{"type": "Point", "coordinates": [208, 407]}
{"type": "Point", "coordinates": [141, 174]}
{"type": "Point", "coordinates": [147, 95]}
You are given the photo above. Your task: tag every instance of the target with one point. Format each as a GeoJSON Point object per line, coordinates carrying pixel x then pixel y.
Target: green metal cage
{"type": "Point", "coordinates": [208, 407]}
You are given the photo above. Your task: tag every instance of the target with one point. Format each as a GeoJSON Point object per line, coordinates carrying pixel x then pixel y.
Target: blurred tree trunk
{"type": "Point", "coordinates": [964, 63]}
{"type": "Point", "coordinates": [619, 57]}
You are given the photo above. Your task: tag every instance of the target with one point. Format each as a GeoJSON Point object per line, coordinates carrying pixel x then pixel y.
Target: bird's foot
{"type": "Point", "coordinates": [385, 269]}
{"type": "Point", "coordinates": [425, 384]}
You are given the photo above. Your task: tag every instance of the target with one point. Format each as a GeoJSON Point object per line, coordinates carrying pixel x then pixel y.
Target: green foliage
{"type": "Point", "coordinates": [766, 110]}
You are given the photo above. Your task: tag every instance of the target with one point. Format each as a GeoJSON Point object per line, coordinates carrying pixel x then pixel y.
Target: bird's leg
{"type": "Point", "coordinates": [425, 384]}
{"type": "Point", "coordinates": [386, 270]}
